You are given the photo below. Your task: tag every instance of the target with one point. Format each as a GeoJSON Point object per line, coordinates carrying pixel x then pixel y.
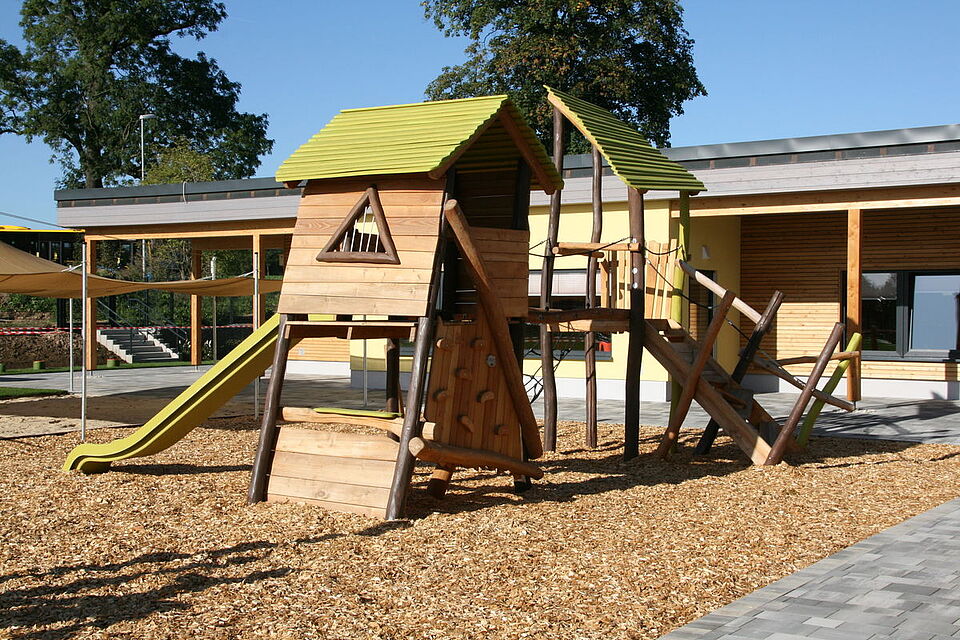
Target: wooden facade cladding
{"type": "Point", "coordinates": [320, 349]}
{"type": "Point", "coordinates": [804, 255]}
{"type": "Point", "coordinates": [506, 254]}
{"type": "Point", "coordinates": [412, 210]}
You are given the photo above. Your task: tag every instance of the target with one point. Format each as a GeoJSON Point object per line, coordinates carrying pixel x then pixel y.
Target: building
{"type": "Point", "coordinates": [797, 215]}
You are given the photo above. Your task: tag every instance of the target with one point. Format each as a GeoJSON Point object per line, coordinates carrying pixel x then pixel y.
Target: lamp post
{"type": "Point", "coordinates": [143, 172]}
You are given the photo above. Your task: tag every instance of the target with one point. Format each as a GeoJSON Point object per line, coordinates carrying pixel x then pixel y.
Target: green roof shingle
{"type": "Point", "coordinates": [628, 153]}
{"type": "Point", "coordinates": [426, 137]}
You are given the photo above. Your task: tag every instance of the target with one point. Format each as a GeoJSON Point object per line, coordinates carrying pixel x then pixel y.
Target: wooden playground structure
{"type": "Point", "coordinates": [404, 240]}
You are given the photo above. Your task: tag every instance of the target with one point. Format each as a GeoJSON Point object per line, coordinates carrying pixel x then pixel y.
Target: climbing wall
{"type": "Point", "coordinates": [467, 395]}
{"type": "Point", "coordinates": [348, 472]}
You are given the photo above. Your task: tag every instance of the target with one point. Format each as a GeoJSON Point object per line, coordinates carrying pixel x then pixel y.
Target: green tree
{"type": "Point", "coordinates": [90, 68]}
{"type": "Point", "coordinates": [631, 57]}
{"type": "Point", "coordinates": [180, 162]}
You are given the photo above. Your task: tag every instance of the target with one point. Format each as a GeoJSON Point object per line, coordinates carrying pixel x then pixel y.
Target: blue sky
{"type": "Point", "coordinates": [773, 69]}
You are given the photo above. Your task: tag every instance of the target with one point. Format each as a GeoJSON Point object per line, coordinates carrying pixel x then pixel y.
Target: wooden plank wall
{"type": "Point", "coordinates": [411, 206]}
{"type": "Point", "coordinates": [348, 472]}
{"type": "Point", "coordinates": [803, 255]}
{"type": "Point", "coordinates": [459, 377]}
{"type": "Point", "coordinates": [506, 254]}
{"type": "Point", "coordinates": [486, 198]}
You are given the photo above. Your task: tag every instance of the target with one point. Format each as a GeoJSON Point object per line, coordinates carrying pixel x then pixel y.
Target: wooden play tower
{"type": "Point", "coordinates": [651, 278]}
{"type": "Point", "coordinates": [412, 226]}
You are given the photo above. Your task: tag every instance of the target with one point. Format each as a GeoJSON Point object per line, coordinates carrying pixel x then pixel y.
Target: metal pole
{"type": "Point", "coordinates": [213, 276]}
{"type": "Point", "coordinates": [143, 164]}
{"type": "Point", "coordinates": [70, 312]}
{"type": "Point", "coordinates": [86, 337]}
{"type": "Point", "coordinates": [256, 325]}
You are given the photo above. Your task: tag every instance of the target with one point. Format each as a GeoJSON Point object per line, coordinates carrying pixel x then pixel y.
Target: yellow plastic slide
{"type": "Point", "coordinates": [223, 381]}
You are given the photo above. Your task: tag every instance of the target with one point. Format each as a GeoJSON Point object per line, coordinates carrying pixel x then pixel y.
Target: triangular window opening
{"type": "Point", "coordinates": [363, 236]}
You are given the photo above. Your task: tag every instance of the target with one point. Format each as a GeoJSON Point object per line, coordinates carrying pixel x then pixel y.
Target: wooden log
{"type": "Point", "coordinates": [440, 481]}
{"type": "Point", "coordinates": [786, 376]}
{"type": "Point", "coordinates": [842, 355]}
{"type": "Point", "coordinates": [786, 433]}
{"type": "Point", "coordinates": [257, 491]}
{"type": "Point", "coordinates": [761, 329]}
{"type": "Point", "coordinates": [439, 453]}
{"type": "Point", "coordinates": [548, 378]}
{"type": "Point", "coordinates": [411, 422]}
{"type": "Point", "coordinates": [738, 304]}
{"type": "Point", "coordinates": [631, 418]}
{"type": "Point", "coordinates": [499, 330]}
{"type": "Point", "coordinates": [709, 398]}
{"type": "Point", "coordinates": [196, 315]}
{"type": "Point", "coordinates": [682, 406]}
{"type": "Point", "coordinates": [592, 249]}
{"type": "Point", "coordinates": [590, 338]}
{"type": "Point", "coordinates": [810, 419]}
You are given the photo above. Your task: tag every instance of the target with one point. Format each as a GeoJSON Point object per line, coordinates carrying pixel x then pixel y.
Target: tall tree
{"type": "Point", "coordinates": [633, 57]}
{"type": "Point", "coordinates": [90, 68]}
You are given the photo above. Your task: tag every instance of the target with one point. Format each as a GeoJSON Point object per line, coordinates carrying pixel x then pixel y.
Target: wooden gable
{"type": "Point", "coordinates": [412, 209]}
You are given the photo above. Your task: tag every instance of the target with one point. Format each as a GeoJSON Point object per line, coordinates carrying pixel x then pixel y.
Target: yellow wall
{"type": "Point", "coordinates": [721, 237]}
{"type": "Point", "coordinates": [576, 222]}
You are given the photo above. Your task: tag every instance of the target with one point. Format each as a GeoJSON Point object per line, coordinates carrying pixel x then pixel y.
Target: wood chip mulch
{"type": "Point", "coordinates": [165, 547]}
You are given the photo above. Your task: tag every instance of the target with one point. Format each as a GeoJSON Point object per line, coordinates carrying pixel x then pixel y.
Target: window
{"type": "Point", "coordinates": [569, 292]}
{"type": "Point", "coordinates": [363, 236]}
{"type": "Point", "coordinates": [911, 315]}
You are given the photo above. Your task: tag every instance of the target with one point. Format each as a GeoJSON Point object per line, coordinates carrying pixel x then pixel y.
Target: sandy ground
{"type": "Point", "coordinates": [165, 547]}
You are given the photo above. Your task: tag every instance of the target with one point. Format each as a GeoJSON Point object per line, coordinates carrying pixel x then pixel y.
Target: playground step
{"type": "Point", "coordinates": [349, 472]}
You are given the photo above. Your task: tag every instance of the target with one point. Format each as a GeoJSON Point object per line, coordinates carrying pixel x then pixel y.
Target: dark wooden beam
{"type": "Point", "coordinates": [631, 418]}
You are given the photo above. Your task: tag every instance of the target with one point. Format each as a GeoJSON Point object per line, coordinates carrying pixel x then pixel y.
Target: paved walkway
{"type": "Point", "coordinates": [901, 583]}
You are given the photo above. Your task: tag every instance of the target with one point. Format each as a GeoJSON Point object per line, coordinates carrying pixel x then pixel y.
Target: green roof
{"type": "Point", "coordinates": [426, 137]}
{"type": "Point", "coordinates": [627, 152]}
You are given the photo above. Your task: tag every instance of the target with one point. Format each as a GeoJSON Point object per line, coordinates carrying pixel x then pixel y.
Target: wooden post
{"type": "Point", "coordinates": [393, 375]}
{"type": "Point", "coordinates": [259, 313]}
{"type": "Point", "coordinates": [196, 313]}
{"type": "Point", "coordinates": [411, 420]}
{"type": "Point", "coordinates": [631, 430]}
{"type": "Point", "coordinates": [590, 338]}
{"type": "Point", "coordinates": [268, 428]}
{"type": "Point", "coordinates": [546, 291]}
{"type": "Point", "coordinates": [854, 278]}
{"type": "Point", "coordinates": [764, 324]}
{"type": "Point", "coordinates": [786, 433]}
{"type": "Point", "coordinates": [91, 304]}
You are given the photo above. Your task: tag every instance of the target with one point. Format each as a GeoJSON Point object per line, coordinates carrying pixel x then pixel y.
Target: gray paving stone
{"type": "Point", "coordinates": [902, 583]}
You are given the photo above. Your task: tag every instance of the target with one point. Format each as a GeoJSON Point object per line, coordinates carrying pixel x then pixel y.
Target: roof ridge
{"type": "Point", "coordinates": [500, 96]}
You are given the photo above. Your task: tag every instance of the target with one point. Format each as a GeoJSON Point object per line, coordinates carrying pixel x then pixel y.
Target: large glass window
{"type": "Point", "coordinates": [934, 312]}
{"type": "Point", "coordinates": [911, 314]}
{"type": "Point", "coordinates": [878, 297]}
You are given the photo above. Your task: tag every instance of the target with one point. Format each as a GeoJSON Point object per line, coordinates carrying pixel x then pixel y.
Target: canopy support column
{"type": "Point", "coordinates": [90, 304]}
{"type": "Point", "coordinates": [196, 317]}
{"type": "Point", "coordinates": [854, 277]}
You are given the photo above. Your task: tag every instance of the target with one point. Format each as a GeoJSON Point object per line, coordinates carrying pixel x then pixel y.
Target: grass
{"type": "Point", "coordinates": [122, 365]}
{"type": "Point", "coordinates": [6, 393]}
